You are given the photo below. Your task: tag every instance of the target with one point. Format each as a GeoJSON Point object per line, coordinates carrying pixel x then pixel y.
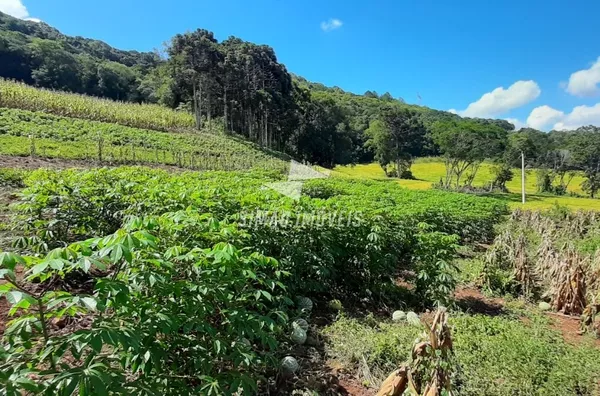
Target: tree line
{"type": "Point", "coordinates": [233, 85]}
{"type": "Point", "coordinates": [239, 87]}
{"type": "Point", "coordinates": [398, 136]}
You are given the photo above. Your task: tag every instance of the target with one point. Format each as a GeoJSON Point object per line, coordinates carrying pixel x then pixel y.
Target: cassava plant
{"type": "Point", "coordinates": [181, 311]}
{"type": "Point", "coordinates": [435, 269]}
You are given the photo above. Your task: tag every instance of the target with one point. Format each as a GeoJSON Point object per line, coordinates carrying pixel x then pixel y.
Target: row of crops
{"type": "Point", "coordinates": [21, 96]}
{"type": "Point", "coordinates": [24, 133]}
{"type": "Point", "coordinates": [194, 280]}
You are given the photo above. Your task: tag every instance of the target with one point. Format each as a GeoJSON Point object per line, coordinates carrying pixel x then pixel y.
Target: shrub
{"type": "Point", "coordinates": [12, 177]}
{"type": "Point", "coordinates": [180, 310]}
{"type": "Point", "coordinates": [434, 267]}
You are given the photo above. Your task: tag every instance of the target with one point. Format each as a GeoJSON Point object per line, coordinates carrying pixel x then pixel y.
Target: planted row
{"type": "Point", "coordinates": [341, 244]}
{"type": "Point", "coordinates": [174, 308]}
{"type": "Point", "coordinates": [34, 133]}
{"type": "Point", "coordinates": [21, 96]}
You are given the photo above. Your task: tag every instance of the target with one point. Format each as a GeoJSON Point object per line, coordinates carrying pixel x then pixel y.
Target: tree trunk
{"type": "Point", "coordinates": [225, 120]}
{"type": "Point", "coordinates": [195, 105]}
{"type": "Point", "coordinates": [199, 110]}
{"type": "Point", "coordinates": [208, 108]}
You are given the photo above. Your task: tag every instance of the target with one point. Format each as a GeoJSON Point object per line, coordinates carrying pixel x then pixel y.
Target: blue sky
{"type": "Point", "coordinates": [538, 60]}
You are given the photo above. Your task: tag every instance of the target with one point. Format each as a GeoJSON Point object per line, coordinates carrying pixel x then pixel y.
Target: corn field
{"type": "Point", "coordinates": [21, 96]}
{"type": "Point", "coordinates": [554, 257]}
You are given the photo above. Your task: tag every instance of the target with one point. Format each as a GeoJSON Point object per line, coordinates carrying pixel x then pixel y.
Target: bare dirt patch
{"type": "Point", "coordinates": [473, 301]}
{"type": "Point", "coordinates": [31, 163]}
{"type": "Point", "coordinates": [569, 327]}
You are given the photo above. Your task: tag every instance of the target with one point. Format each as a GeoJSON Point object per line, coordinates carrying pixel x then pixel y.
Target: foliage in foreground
{"type": "Point", "coordinates": [350, 237]}
{"type": "Point", "coordinates": [431, 368]}
{"type": "Point", "coordinates": [495, 355]}
{"type": "Point", "coordinates": [175, 308]}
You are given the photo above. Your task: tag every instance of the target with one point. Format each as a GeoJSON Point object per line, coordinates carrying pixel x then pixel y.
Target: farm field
{"type": "Point", "coordinates": [21, 96]}
{"type": "Point", "coordinates": [288, 282]}
{"type": "Point", "coordinates": [429, 171]}
{"type": "Point", "coordinates": [26, 133]}
{"type": "Point", "coordinates": [160, 244]}
{"type": "Point", "coordinates": [145, 226]}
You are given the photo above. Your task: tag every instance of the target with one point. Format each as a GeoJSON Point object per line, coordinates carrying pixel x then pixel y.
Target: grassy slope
{"type": "Point", "coordinates": [429, 171]}
{"type": "Point", "coordinates": [70, 138]}
{"type": "Point", "coordinates": [70, 126]}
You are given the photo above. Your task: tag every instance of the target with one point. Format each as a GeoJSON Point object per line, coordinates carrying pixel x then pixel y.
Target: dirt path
{"type": "Point", "coordinates": [7, 161]}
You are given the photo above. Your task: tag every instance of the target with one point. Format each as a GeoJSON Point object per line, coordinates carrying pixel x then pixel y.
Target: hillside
{"type": "Point", "coordinates": [237, 84]}
{"type": "Point", "coordinates": [50, 124]}
{"type": "Point", "coordinates": [39, 54]}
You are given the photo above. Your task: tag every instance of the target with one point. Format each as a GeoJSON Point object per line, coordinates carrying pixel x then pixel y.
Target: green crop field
{"type": "Point", "coordinates": [21, 96]}
{"type": "Point", "coordinates": [25, 133]}
{"type": "Point", "coordinates": [178, 239]}
{"type": "Point", "coordinates": [428, 171]}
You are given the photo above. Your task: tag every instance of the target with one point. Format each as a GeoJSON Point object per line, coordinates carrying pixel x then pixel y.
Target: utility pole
{"type": "Point", "coordinates": [523, 176]}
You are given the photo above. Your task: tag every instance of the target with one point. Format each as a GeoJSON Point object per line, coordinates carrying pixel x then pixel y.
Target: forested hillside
{"type": "Point", "coordinates": [38, 54]}
{"type": "Point", "coordinates": [233, 85]}
{"type": "Point", "coordinates": [241, 88]}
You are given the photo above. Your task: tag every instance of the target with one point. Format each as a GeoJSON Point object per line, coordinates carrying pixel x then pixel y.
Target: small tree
{"type": "Point", "coordinates": [585, 148]}
{"type": "Point", "coordinates": [465, 144]}
{"type": "Point", "coordinates": [397, 137]}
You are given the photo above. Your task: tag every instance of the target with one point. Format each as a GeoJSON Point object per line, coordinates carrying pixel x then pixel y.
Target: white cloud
{"type": "Point", "coordinates": [585, 82]}
{"type": "Point", "coordinates": [453, 111]}
{"type": "Point", "coordinates": [328, 26]}
{"type": "Point", "coordinates": [17, 9]}
{"type": "Point", "coordinates": [502, 100]}
{"type": "Point", "coordinates": [517, 123]}
{"type": "Point", "coordinates": [580, 116]}
{"type": "Point", "coordinates": [542, 116]}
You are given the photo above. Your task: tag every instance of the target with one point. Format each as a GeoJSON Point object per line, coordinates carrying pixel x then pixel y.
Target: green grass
{"type": "Point", "coordinates": [429, 171]}
{"type": "Point", "coordinates": [503, 355]}
{"type": "Point", "coordinates": [61, 137]}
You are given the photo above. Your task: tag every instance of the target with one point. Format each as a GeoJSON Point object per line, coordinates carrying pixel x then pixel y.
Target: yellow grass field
{"type": "Point", "coordinates": [429, 171]}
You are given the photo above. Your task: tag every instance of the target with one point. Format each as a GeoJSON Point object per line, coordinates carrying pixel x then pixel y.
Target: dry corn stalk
{"type": "Point", "coordinates": [425, 374]}
{"type": "Point", "coordinates": [567, 291]}
{"type": "Point", "coordinates": [590, 319]}
{"type": "Point", "coordinates": [523, 274]}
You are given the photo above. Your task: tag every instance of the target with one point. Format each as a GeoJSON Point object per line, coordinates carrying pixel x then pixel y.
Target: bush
{"type": "Point", "coordinates": [12, 177]}
{"type": "Point", "coordinates": [434, 267]}
{"type": "Point", "coordinates": [181, 310]}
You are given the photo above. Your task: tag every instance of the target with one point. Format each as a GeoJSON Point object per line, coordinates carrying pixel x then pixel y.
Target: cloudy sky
{"type": "Point", "coordinates": [535, 63]}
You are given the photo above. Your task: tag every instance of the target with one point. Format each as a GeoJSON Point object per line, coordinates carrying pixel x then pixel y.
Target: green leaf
{"type": "Point", "coordinates": [15, 296]}
{"type": "Point", "coordinates": [8, 274]}
{"type": "Point", "coordinates": [267, 295]}
{"type": "Point", "coordinates": [39, 268]}
{"type": "Point", "coordinates": [10, 260]}
{"type": "Point", "coordinates": [89, 302]}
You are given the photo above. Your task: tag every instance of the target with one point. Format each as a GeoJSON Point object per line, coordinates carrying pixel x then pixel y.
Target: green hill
{"type": "Point", "coordinates": [71, 126]}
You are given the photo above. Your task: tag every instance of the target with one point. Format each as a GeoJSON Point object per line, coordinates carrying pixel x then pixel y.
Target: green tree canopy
{"type": "Point", "coordinates": [465, 144]}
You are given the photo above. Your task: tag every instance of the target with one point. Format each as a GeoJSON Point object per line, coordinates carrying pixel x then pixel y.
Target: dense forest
{"type": "Point", "coordinates": [241, 88]}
